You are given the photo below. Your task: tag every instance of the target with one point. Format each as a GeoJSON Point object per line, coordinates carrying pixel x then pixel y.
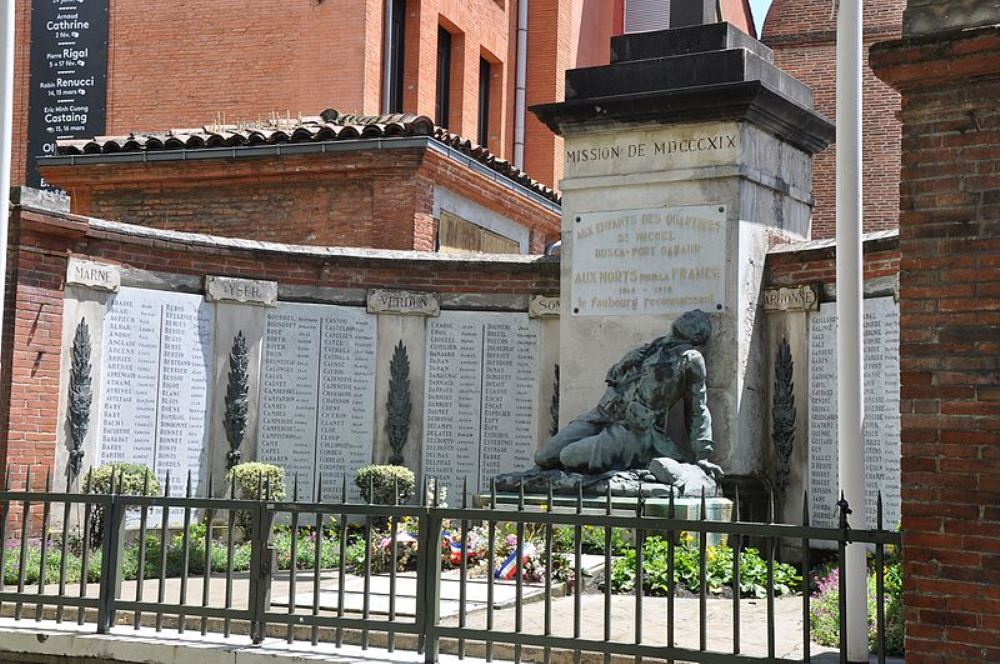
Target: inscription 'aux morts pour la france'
{"type": "Point", "coordinates": [651, 148]}
{"type": "Point", "coordinates": [655, 261]}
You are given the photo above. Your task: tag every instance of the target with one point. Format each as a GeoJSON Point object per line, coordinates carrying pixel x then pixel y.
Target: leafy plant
{"type": "Point", "coordinates": [382, 485]}
{"type": "Point", "coordinates": [686, 572]}
{"type": "Point", "coordinates": [237, 399]}
{"type": "Point", "coordinates": [255, 481]}
{"type": "Point", "coordinates": [824, 614]}
{"type": "Point", "coordinates": [592, 540]}
{"type": "Point", "coordinates": [80, 394]}
{"type": "Point", "coordinates": [128, 479]}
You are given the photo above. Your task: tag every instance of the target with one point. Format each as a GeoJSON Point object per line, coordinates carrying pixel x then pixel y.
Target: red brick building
{"type": "Point", "coordinates": [392, 182]}
{"type": "Point", "coordinates": [803, 36]}
{"type": "Point", "coordinates": [193, 63]}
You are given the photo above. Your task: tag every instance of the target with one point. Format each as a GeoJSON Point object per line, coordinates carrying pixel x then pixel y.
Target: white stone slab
{"type": "Point", "coordinates": [649, 261]}
{"type": "Point", "coordinates": [882, 421]}
{"type": "Point", "coordinates": [100, 276]}
{"type": "Point", "coordinates": [317, 393]}
{"type": "Point", "coordinates": [480, 403]}
{"type": "Point", "coordinates": [244, 291]}
{"type": "Point", "coordinates": [414, 303]}
{"type": "Point", "coordinates": [156, 362]}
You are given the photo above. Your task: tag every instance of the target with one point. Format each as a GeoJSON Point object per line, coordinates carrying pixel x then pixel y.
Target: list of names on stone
{"type": "Point", "coordinates": [480, 403]}
{"type": "Point", "coordinates": [882, 422]}
{"type": "Point", "coordinates": [68, 78]}
{"type": "Point", "coordinates": [317, 394]}
{"type": "Point", "coordinates": [157, 358]}
{"type": "Point", "coordinates": [645, 262]}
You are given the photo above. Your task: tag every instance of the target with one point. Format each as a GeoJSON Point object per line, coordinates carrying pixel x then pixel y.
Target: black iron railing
{"type": "Point", "coordinates": [71, 586]}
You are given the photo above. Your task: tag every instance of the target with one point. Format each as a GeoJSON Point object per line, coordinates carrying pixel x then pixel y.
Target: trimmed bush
{"type": "Point", "coordinates": [379, 484]}
{"type": "Point", "coordinates": [130, 479]}
{"type": "Point", "coordinates": [255, 481]}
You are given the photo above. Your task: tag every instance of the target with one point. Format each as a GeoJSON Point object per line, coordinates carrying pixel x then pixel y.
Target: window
{"type": "Point", "coordinates": [458, 236]}
{"type": "Point", "coordinates": [443, 97]}
{"type": "Point", "coordinates": [397, 47]}
{"type": "Point", "coordinates": [484, 101]}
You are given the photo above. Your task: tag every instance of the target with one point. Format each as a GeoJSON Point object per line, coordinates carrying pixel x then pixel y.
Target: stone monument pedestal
{"type": "Point", "coordinates": [686, 158]}
{"type": "Point", "coordinates": [687, 509]}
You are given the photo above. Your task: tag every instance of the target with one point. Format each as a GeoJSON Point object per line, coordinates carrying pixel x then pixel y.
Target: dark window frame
{"type": "Point", "coordinates": [442, 96]}
{"type": "Point", "coordinates": [397, 51]}
{"type": "Point", "coordinates": [485, 82]}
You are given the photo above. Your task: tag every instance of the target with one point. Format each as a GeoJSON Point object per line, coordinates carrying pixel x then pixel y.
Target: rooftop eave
{"type": "Point", "coordinates": [750, 101]}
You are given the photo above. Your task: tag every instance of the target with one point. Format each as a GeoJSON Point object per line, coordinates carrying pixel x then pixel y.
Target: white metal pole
{"type": "Point", "coordinates": [6, 138]}
{"type": "Point", "coordinates": [850, 339]}
{"type": "Point", "coordinates": [520, 80]}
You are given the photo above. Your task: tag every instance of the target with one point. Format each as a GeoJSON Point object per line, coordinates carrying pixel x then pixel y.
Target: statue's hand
{"type": "Point", "coordinates": [711, 469]}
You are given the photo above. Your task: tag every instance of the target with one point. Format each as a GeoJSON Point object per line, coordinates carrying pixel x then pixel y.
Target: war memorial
{"type": "Point", "coordinates": [676, 359]}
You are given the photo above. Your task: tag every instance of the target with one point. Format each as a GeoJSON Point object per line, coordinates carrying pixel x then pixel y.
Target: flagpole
{"type": "Point", "coordinates": [850, 314]}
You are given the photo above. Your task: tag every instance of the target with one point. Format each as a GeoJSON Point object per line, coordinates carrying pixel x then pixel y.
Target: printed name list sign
{"type": "Point", "coordinates": [154, 397]}
{"type": "Point", "coordinates": [653, 261]}
{"type": "Point", "coordinates": [317, 394]}
{"type": "Point", "coordinates": [480, 400]}
{"type": "Point", "coordinates": [882, 423]}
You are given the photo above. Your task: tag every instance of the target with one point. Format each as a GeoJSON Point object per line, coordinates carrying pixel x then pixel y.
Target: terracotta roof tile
{"type": "Point", "coordinates": [328, 126]}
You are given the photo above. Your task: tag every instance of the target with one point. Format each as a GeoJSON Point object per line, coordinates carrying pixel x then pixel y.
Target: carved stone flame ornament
{"type": "Point", "coordinates": [783, 413]}
{"type": "Point", "coordinates": [80, 395]}
{"type": "Point", "coordinates": [237, 399]}
{"type": "Point", "coordinates": [398, 406]}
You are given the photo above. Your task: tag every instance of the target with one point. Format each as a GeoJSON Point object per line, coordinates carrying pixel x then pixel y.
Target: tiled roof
{"type": "Point", "coordinates": [328, 126]}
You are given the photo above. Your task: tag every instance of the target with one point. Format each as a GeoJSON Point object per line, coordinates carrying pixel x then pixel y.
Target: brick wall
{"type": "Point", "coordinates": [950, 341]}
{"type": "Point", "coordinates": [381, 199]}
{"type": "Point", "coordinates": [802, 34]}
{"type": "Point", "coordinates": [819, 265]}
{"type": "Point", "coordinates": [42, 244]}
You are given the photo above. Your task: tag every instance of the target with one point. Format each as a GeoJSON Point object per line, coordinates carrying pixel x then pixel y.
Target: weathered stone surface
{"type": "Point", "coordinates": [413, 303]}
{"type": "Point", "coordinates": [924, 17]}
{"type": "Point", "coordinates": [543, 306]}
{"type": "Point", "coordinates": [665, 43]}
{"type": "Point", "coordinates": [244, 291]}
{"type": "Point", "coordinates": [688, 478]}
{"type": "Point", "coordinates": [802, 298]}
{"type": "Point", "coordinates": [91, 274]}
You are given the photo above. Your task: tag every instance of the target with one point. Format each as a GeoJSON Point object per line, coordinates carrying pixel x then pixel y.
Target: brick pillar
{"type": "Point", "coordinates": [948, 71]}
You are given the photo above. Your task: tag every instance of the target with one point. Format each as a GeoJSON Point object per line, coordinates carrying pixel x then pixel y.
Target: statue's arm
{"type": "Point", "coordinates": [700, 424]}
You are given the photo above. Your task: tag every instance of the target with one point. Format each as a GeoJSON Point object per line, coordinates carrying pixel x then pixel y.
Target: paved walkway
{"type": "Point", "coordinates": [753, 615]}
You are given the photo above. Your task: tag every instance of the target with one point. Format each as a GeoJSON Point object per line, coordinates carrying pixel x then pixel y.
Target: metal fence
{"type": "Point", "coordinates": [89, 587]}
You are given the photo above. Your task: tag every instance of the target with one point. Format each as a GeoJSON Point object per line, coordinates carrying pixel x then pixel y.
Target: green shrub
{"type": "Point", "coordinates": [130, 479]}
{"type": "Point", "coordinates": [305, 554]}
{"type": "Point", "coordinates": [255, 481]}
{"type": "Point", "coordinates": [824, 613]}
{"type": "Point", "coordinates": [592, 540]}
{"type": "Point", "coordinates": [718, 570]}
{"type": "Point", "coordinates": [380, 484]}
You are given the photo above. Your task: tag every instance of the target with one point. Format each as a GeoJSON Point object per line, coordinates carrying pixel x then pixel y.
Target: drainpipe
{"type": "Point", "coordinates": [519, 84]}
{"type": "Point", "coordinates": [6, 138]}
{"type": "Point", "coordinates": [387, 56]}
{"type": "Point", "coordinates": [850, 339]}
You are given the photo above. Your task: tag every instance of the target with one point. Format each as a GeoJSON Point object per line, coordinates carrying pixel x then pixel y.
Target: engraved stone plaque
{"type": "Point", "coordinates": [480, 402]}
{"type": "Point", "coordinates": [652, 261]}
{"type": "Point", "coordinates": [802, 298]}
{"type": "Point", "coordinates": [415, 303]}
{"type": "Point", "coordinates": [244, 291]}
{"type": "Point", "coordinates": [882, 421]}
{"type": "Point", "coordinates": [100, 276]}
{"type": "Point", "coordinates": [317, 394]}
{"type": "Point", "coordinates": [543, 306]}
{"type": "Point", "coordinates": [154, 400]}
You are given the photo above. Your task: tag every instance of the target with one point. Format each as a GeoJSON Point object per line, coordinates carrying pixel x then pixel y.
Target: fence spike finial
{"type": "Point", "coordinates": [232, 486]}
{"type": "Point", "coordinates": [166, 485]}
{"type": "Point", "coordinates": [395, 490]}
{"type": "Point", "coordinates": [319, 487]}
{"type": "Point", "coordinates": [187, 485]}
{"type": "Point", "coordinates": [805, 507]}
{"type": "Point", "coordinates": [27, 478]}
{"type": "Point", "coordinates": [343, 488]}
{"type": "Point", "coordinates": [48, 481]}
{"type": "Point", "coordinates": [878, 511]}
{"type": "Point", "coordinates": [671, 510]}
{"type": "Point", "coordinates": [295, 487]}
{"type": "Point", "coordinates": [211, 486]}
{"type": "Point", "coordinates": [465, 492]}
{"type": "Point", "coordinates": [371, 489]}
{"type": "Point", "coordinates": [493, 493]}
{"type": "Point", "coordinates": [704, 506]}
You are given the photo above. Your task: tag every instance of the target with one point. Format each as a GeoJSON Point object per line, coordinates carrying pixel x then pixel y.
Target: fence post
{"type": "Point", "coordinates": [429, 588]}
{"type": "Point", "coordinates": [261, 568]}
{"type": "Point", "coordinates": [111, 570]}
